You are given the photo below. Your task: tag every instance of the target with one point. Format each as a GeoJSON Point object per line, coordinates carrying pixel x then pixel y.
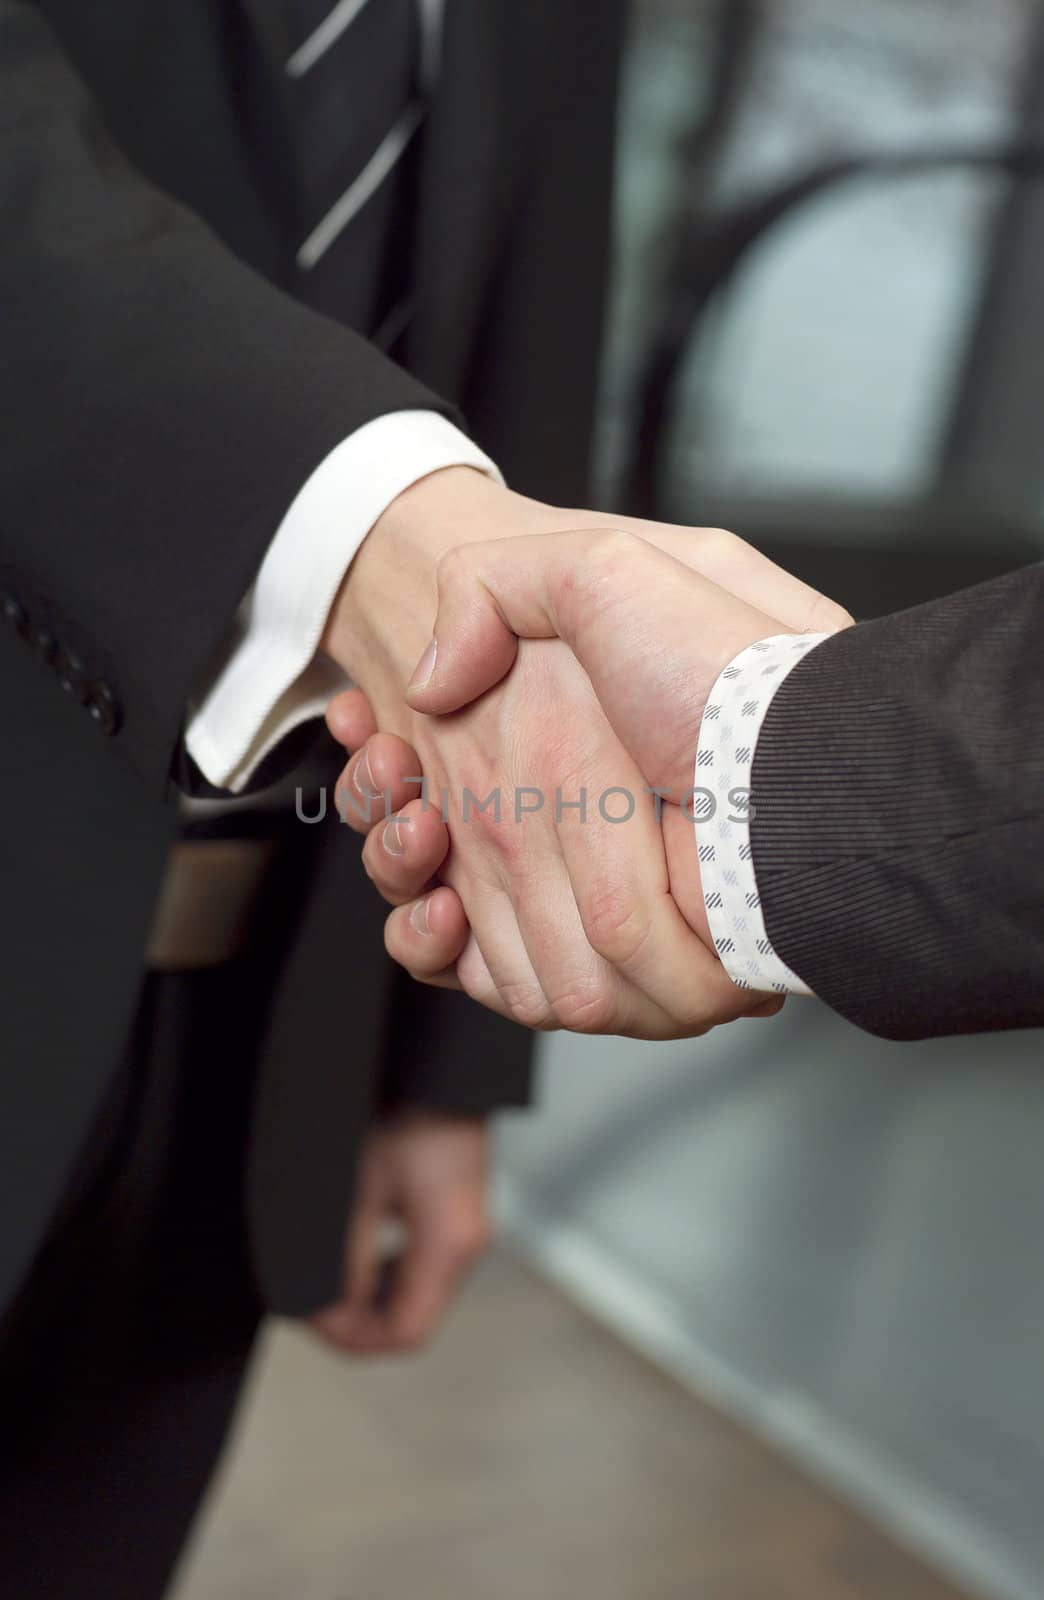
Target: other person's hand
{"type": "Point", "coordinates": [419, 1222]}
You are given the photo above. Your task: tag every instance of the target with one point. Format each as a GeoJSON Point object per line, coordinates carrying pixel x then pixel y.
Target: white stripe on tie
{"type": "Point", "coordinates": [328, 32]}
{"type": "Point", "coordinates": [380, 165]}
{"type": "Point", "coordinates": [395, 324]}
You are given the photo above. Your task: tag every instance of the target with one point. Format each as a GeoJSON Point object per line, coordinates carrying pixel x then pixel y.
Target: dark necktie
{"type": "Point", "coordinates": [354, 76]}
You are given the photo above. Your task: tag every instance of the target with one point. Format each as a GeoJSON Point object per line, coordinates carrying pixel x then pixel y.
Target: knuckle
{"type": "Point", "coordinates": [826, 616]}
{"type": "Point", "coordinates": [719, 540]}
{"type": "Point", "coordinates": [590, 1010]}
{"type": "Point", "coordinates": [720, 1002]}
{"type": "Point", "coordinates": [617, 927]}
{"type": "Point", "coordinates": [609, 547]}
{"type": "Point", "coordinates": [528, 1005]}
{"type": "Point", "coordinates": [452, 565]}
{"type": "Point", "coordinates": [471, 1237]}
{"type": "Point", "coordinates": [717, 551]}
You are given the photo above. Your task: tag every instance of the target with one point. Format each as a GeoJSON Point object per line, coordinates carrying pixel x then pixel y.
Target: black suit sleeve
{"type": "Point", "coordinates": [163, 404]}
{"type": "Point", "coordinates": [444, 1053]}
{"type": "Point", "coordinates": [898, 827]}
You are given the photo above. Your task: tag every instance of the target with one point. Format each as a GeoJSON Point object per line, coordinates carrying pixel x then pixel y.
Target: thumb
{"type": "Point", "coordinates": [651, 633]}
{"type": "Point", "coordinates": [493, 593]}
{"type": "Point", "coordinates": [490, 595]}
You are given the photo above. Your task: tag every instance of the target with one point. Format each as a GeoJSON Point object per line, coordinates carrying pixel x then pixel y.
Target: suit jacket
{"type": "Point", "coordinates": [163, 400]}
{"type": "Point", "coordinates": [898, 786]}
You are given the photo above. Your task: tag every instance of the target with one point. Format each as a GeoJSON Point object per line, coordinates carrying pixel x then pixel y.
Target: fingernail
{"type": "Point", "coordinates": [362, 777]}
{"type": "Point", "coordinates": [420, 918]}
{"type": "Point", "coordinates": [392, 839]}
{"type": "Point", "coordinates": [425, 666]}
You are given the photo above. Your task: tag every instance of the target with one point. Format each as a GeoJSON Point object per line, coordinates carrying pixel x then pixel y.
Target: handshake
{"type": "Point", "coordinates": [531, 800]}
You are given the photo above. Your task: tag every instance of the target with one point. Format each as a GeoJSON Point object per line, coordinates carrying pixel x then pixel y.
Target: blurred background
{"type": "Point", "coordinates": [768, 1317]}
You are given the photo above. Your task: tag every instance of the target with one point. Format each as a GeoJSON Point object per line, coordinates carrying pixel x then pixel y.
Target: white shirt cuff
{"type": "Point", "coordinates": [735, 710]}
{"type": "Point", "coordinates": [270, 678]}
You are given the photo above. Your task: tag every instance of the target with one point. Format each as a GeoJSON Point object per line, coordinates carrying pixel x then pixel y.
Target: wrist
{"type": "Point", "coordinates": [384, 612]}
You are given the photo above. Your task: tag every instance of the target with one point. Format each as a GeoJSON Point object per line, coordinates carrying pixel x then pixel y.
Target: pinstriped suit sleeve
{"type": "Point", "coordinates": [898, 815]}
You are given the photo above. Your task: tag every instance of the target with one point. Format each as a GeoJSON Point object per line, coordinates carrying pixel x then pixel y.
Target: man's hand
{"type": "Point", "coordinates": [651, 634]}
{"type": "Point", "coordinates": [424, 1177]}
{"type": "Point", "coordinates": [572, 919]}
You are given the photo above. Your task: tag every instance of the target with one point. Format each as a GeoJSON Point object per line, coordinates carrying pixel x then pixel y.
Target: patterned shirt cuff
{"type": "Point", "coordinates": [732, 719]}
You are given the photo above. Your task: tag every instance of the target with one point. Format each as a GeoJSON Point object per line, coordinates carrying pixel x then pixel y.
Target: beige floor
{"type": "Point", "coordinates": [529, 1455]}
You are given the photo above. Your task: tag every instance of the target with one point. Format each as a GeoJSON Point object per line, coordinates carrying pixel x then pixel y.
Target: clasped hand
{"type": "Point", "coordinates": [554, 719]}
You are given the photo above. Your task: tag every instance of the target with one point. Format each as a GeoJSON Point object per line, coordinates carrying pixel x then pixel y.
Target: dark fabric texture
{"type": "Point", "coordinates": [163, 399]}
{"type": "Point", "coordinates": [898, 834]}
{"type": "Point", "coordinates": [342, 109]}
{"type": "Point", "coordinates": [350, 1036]}
{"type": "Point", "coordinates": [207, 429]}
{"type": "Point", "coordinates": [122, 1358]}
